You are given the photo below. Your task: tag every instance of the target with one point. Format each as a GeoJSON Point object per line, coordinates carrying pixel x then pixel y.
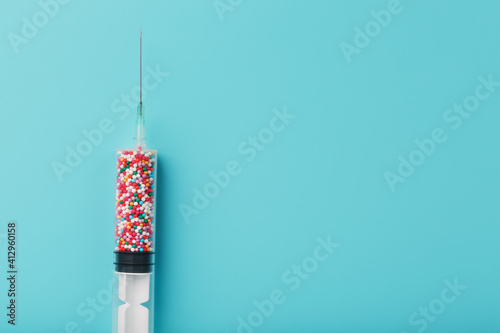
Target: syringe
{"type": "Point", "coordinates": [133, 306]}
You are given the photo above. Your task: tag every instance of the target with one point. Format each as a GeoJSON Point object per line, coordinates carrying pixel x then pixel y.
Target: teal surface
{"type": "Point", "coordinates": [324, 166]}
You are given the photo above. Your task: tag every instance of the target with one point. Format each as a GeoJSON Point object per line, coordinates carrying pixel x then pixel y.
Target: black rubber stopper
{"type": "Point", "coordinates": [134, 262]}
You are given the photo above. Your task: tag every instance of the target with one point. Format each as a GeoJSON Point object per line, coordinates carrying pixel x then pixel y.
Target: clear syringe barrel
{"type": "Point", "coordinates": [133, 301]}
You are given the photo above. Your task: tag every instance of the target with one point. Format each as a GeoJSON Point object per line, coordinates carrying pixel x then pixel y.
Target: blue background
{"type": "Point", "coordinates": [323, 175]}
